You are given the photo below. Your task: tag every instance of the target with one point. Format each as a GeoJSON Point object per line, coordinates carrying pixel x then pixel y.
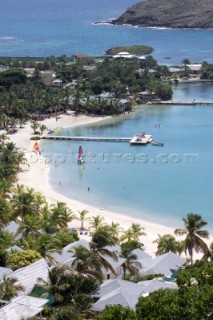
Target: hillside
{"type": "Point", "coordinates": [169, 13]}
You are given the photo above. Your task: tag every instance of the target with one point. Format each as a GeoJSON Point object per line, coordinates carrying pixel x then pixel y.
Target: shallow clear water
{"type": "Point", "coordinates": [53, 27]}
{"type": "Point", "coordinates": [160, 184]}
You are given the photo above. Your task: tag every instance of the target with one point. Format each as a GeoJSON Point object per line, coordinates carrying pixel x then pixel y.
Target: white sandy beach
{"type": "Point", "coordinates": [36, 176]}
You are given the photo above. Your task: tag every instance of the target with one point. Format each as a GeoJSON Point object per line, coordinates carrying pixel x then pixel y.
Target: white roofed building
{"type": "Point", "coordinates": [22, 307]}
{"type": "Point", "coordinates": [28, 276]}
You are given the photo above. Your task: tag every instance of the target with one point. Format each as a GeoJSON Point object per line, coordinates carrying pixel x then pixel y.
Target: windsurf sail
{"type": "Point", "coordinates": [36, 147]}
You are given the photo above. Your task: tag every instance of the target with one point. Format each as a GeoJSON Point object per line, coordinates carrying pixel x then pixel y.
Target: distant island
{"type": "Point", "coordinates": [135, 49]}
{"type": "Point", "coordinates": [169, 13]}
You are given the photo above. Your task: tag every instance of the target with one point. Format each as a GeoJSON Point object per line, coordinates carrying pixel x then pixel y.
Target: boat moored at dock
{"type": "Point", "coordinates": [141, 138]}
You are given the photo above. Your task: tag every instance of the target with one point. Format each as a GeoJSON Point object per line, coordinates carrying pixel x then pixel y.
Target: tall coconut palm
{"type": "Point", "coordinates": [131, 265]}
{"type": "Point", "coordinates": [48, 224]}
{"type": "Point", "coordinates": [62, 215]}
{"type": "Point", "coordinates": [40, 200]}
{"type": "Point", "coordinates": [96, 221]}
{"type": "Point", "coordinates": [83, 218]}
{"type": "Point", "coordinates": [5, 187]}
{"type": "Point", "coordinates": [89, 263]}
{"type": "Point", "coordinates": [133, 233]}
{"type": "Point", "coordinates": [193, 225]}
{"type": "Point", "coordinates": [45, 244]}
{"type": "Point", "coordinates": [5, 213]}
{"type": "Point", "coordinates": [103, 236]}
{"type": "Point", "coordinates": [116, 230]}
{"type": "Point", "coordinates": [29, 226]}
{"type": "Point", "coordinates": [57, 284]}
{"type": "Point", "coordinates": [165, 243]}
{"type": "Point", "coordinates": [23, 203]}
{"type": "Point", "coordinates": [34, 126]}
{"type": "Point", "coordinates": [42, 128]}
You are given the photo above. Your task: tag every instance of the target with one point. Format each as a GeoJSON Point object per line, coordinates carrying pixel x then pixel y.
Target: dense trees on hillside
{"type": "Point", "coordinates": [21, 95]}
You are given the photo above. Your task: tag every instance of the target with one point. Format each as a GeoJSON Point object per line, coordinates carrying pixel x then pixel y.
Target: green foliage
{"type": "Point", "coordinates": [166, 243]}
{"type": "Point", "coordinates": [193, 299]}
{"type": "Point", "coordinates": [194, 232]}
{"type": "Point", "coordinates": [12, 76]}
{"type": "Point", "coordinates": [116, 312]}
{"type": "Point", "coordinates": [65, 313]}
{"type": "Point", "coordinates": [10, 159]}
{"type": "Point", "coordinates": [19, 259]}
{"type": "Point", "coordinates": [3, 258]}
{"type": "Point", "coordinates": [136, 49]}
{"type": "Point", "coordinates": [207, 71]}
{"type": "Point", "coordinates": [148, 277]}
{"type": "Point", "coordinates": [66, 238]}
{"type": "Point", "coordinates": [128, 246]}
{"type": "Point", "coordinates": [103, 237]}
{"type": "Point", "coordinates": [7, 239]}
{"type": "Point", "coordinates": [9, 288]}
{"type": "Point", "coordinates": [35, 138]}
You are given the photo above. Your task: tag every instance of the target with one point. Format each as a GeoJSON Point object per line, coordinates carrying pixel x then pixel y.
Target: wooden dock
{"type": "Point", "coordinates": [184, 103]}
{"type": "Point", "coordinates": [78, 138]}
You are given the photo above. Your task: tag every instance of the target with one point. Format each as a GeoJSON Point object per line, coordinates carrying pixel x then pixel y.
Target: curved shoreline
{"type": "Point", "coordinates": [37, 176]}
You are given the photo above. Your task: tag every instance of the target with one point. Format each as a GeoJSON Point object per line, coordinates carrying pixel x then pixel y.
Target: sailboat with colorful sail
{"type": "Point", "coordinates": [36, 148]}
{"type": "Point", "coordinates": [80, 155]}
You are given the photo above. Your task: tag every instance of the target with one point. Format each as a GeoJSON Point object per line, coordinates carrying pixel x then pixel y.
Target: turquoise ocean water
{"type": "Point", "coordinates": [54, 27]}
{"type": "Point", "coordinates": [160, 184]}
{"type": "Point", "coordinates": [157, 184]}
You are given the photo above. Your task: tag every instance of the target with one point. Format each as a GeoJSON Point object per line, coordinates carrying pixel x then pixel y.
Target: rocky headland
{"type": "Point", "coordinates": [169, 13]}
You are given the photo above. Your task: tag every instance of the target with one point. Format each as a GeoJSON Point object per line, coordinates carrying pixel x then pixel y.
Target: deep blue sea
{"type": "Point", "coordinates": [56, 27]}
{"type": "Point", "coordinates": [157, 184]}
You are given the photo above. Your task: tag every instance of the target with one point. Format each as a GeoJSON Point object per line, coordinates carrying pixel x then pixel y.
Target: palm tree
{"type": "Point", "coordinates": [57, 286]}
{"type": "Point", "coordinates": [23, 203]}
{"type": "Point", "coordinates": [45, 244]}
{"type": "Point", "coordinates": [7, 239]}
{"type": "Point", "coordinates": [90, 263]}
{"type": "Point", "coordinates": [132, 265]}
{"type": "Point", "coordinates": [42, 128]}
{"type": "Point", "coordinates": [5, 187]}
{"type": "Point", "coordinates": [61, 214]}
{"type": "Point", "coordinates": [166, 243]}
{"type": "Point", "coordinates": [29, 226]}
{"type": "Point", "coordinates": [9, 288]}
{"type": "Point", "coordinates": [103, 236]}
{"type": "Point", "coordinates": [96, 221]}
{"type": "Point", "coordinates": [40, 200]}
{"type": "Point", "coordinates": [193, 230]}
{"type": "Point", "coordinates": [133, 233]}
{"type": "Point", "coordinates": [208, 255]}
{"type": "Point", "coordinates": [83, 218]}
{"type": "Point", "coordinates": [5, 213]}
{"type": "Point", "coordinates": [116, 229]}
{"type": "Point", "coordinates": [34, 126]}
{"type": "Point", "coordinates": [48, 224]}
{"type": "Point", "coordinates": [3, 138]}
{"type": "Point", "coordinates": [65, 313]}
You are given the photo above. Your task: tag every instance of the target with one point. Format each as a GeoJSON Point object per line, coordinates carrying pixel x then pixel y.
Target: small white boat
{"type": "Point", "coordinates": [158, 144]}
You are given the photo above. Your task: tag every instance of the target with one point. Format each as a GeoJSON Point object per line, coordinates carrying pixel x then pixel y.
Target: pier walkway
{"type": "Point", "coordinates": [78, 138]}
{"type": "Point", "coordinates": [184, 103]}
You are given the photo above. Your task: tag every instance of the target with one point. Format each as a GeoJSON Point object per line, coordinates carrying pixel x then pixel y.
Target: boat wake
{"type": "Point", "coordinates": [6, 38]}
